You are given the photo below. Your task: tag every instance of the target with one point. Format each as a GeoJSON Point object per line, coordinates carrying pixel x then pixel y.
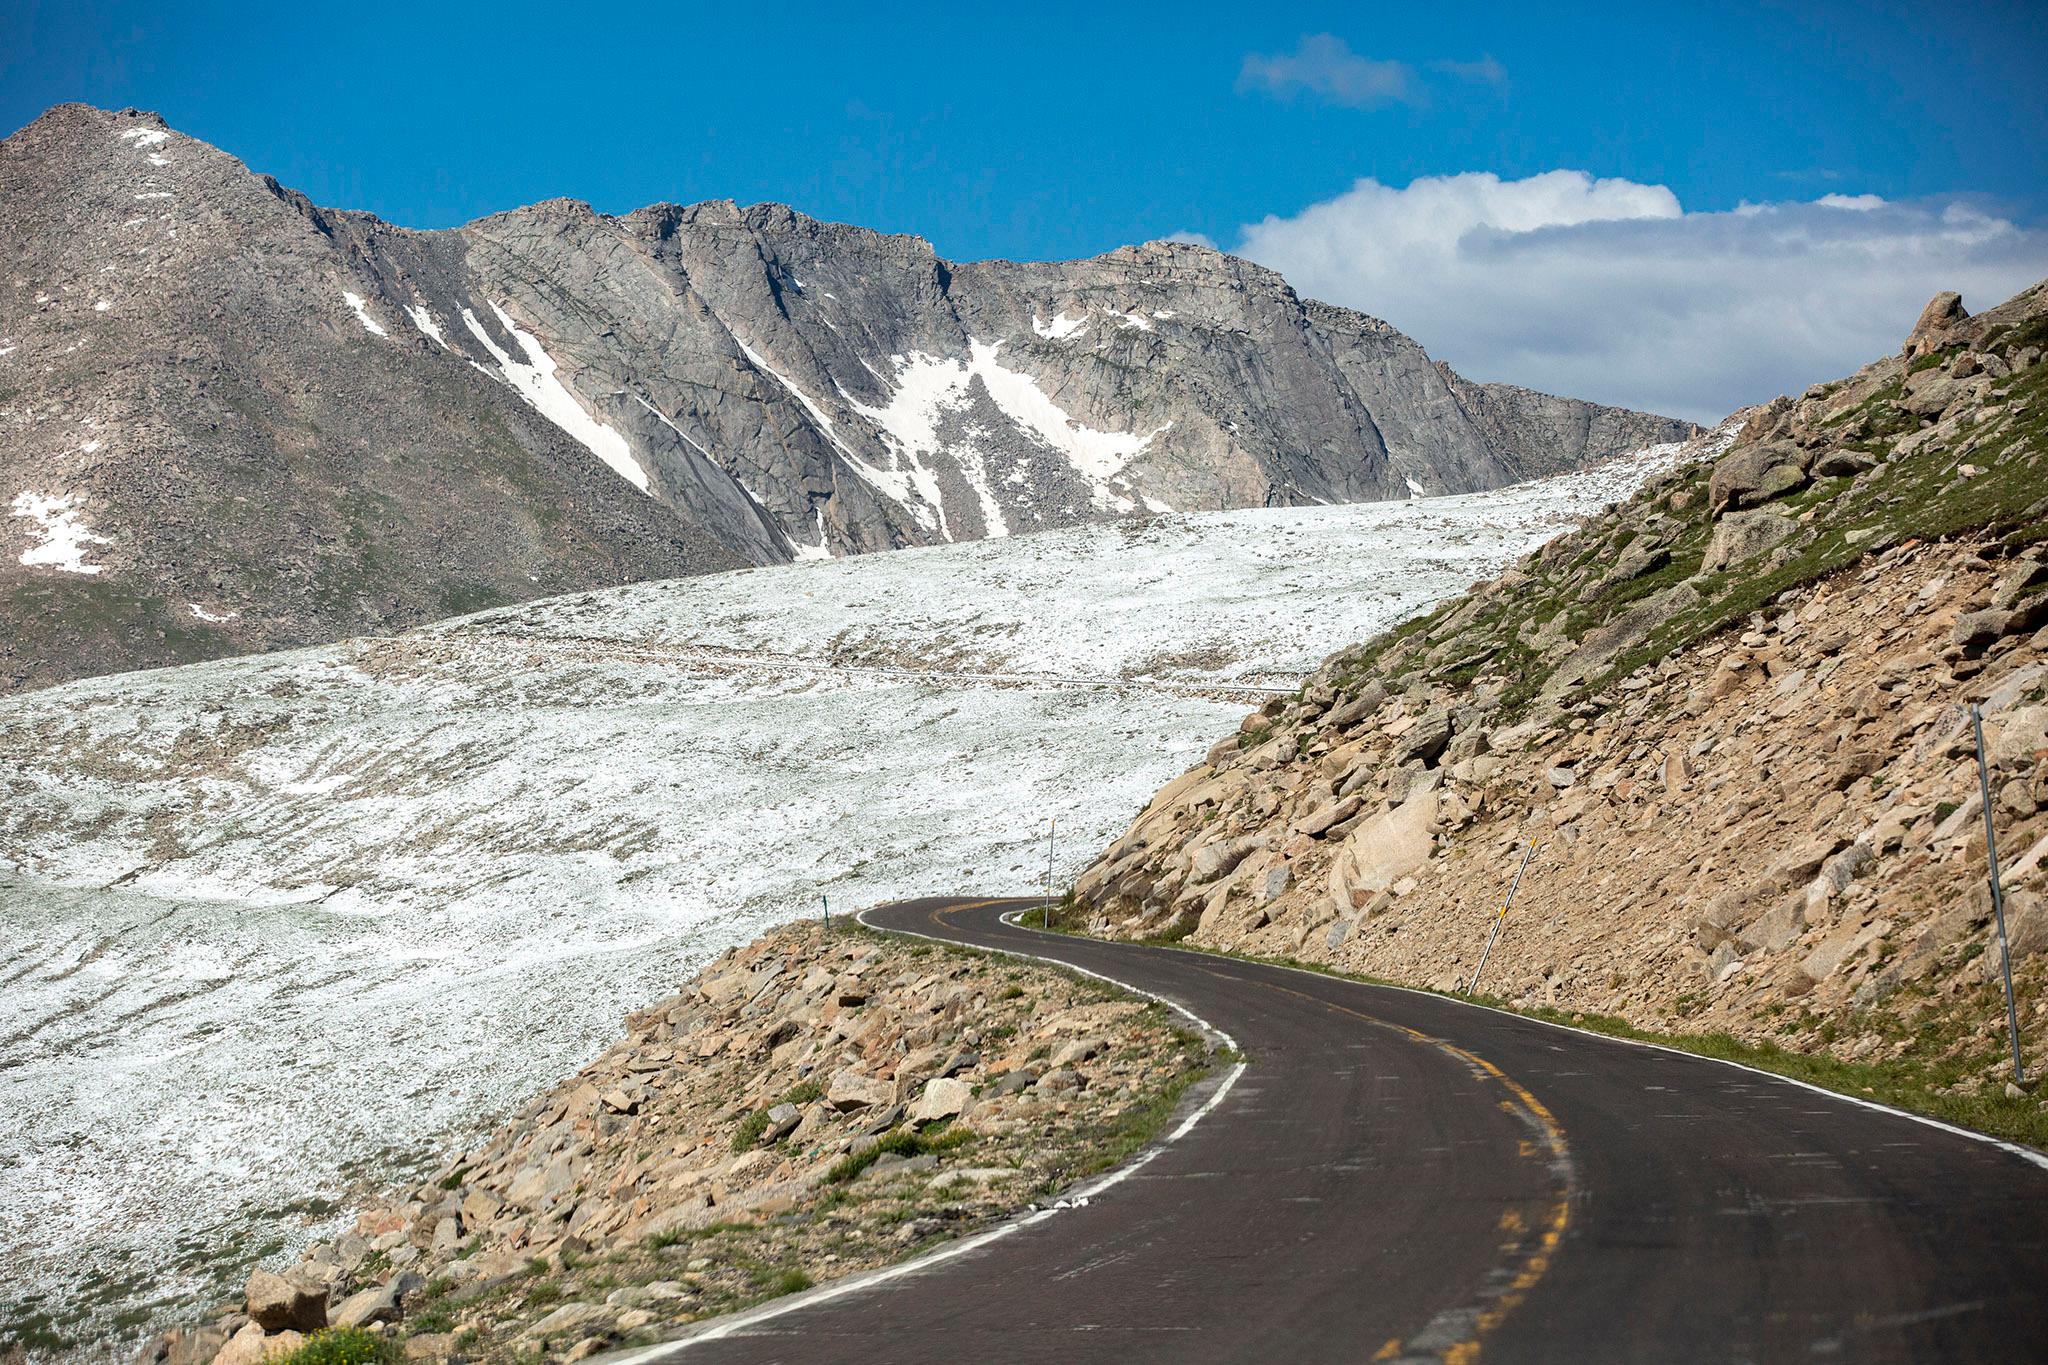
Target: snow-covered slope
{"type": "Point", "coordinates": [274, 924]}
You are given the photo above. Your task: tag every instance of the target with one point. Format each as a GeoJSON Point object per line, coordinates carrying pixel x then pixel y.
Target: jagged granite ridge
{"type": "Point", "coordinates": [236, 420]}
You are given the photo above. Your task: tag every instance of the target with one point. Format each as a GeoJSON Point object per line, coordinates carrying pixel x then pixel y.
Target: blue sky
{"type": "Point", "coordinates": [1063, 130]}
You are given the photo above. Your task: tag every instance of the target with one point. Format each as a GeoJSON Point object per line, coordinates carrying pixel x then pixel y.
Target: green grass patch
{"type": "Point", "coordinates": [750, 1130]}
{"type": "Point", "coordinates": [342, 1346]}
{"type": "Point", "coordinates": [1949, 1047]}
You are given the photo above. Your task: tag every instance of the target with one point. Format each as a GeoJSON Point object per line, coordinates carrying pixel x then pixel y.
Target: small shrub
{"type": "Point", "coordinates": [792, 1281]}
{"type": "Point", "coordinates": [341, 1346]}
{"type": "Point", "coordinates": [750, 1130]}
{"type": "Point", "coordinates": [803, 1093]}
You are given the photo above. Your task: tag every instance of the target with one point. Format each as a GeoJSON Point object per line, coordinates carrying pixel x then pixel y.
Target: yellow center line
{"type": "Point", "coordinates": [1537, 1259]}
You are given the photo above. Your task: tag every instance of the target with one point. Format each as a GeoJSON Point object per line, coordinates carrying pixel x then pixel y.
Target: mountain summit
{"type": "Point", "coordinates": [239, 421]}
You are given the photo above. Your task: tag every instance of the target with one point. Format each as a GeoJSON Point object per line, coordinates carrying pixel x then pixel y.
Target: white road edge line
{"type": "Point", "coordinates": [854, 1284]}
{"type": "Point", "coordinates": [2027, 1154]}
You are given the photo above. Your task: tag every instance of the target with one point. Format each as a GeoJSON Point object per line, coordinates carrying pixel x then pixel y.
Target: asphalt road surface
{"type": "Point", "coordinates": [1396, 1176]}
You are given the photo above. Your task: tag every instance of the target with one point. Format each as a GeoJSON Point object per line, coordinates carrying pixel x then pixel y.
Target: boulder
{"type": "Point", "coordinates": [2026, 931]}
{"type": "Point", "coordinates": [1745, 535]}
{"type": "Point", "coordinates": [1824, 961]}
{"type": "Point", "coordinates": [1381, 851]}
{"type": "Point", "coordinates": [184, 1346]}
{"type": "Point", "coordinates": [1319, 820]}
{"type": "Point", "coordinates": [278, 1303]}
{"type": "Point", "coordinates": [942, 1099]}
{"type": "Point", "coordinates": [1276, 881]}
{"type": "Point", "coordinates": [1753, 474]}
{"type": "Point", "coordinates": [1078, 1050]}
{"type": "Point", "coordinates": [376, 1304]}
{"type": "Point", "coordinates": [1976, 630]}
{"type": "Point", "coordinates": [252, 1345]}
{"type": "Point", "coordinates": [1370, 698]}
{"type": "Point", "coordinates": [1213, 860]}
{"type": "Point", "coordinates": [1425, 739]}
{"type": "Point", "coordinates": [432, 1346]}
{"type": "Point", "coordinates": [1843, 464]}
{"type": "Point", "coordinates": [1938, 320]}
{"type": "Point", "coordinates": [849, 1090]}
{"type": "Point", "coordinates": [782, 1121]}
{"type": "Point", "coordinates": [1776, 929]}
{"type": "Point", "coordinates": [1930, 392]}
{"type": "Point", "coordinates": [1625, 631]}
{"type": "Point", "coordinates": [2020, 581]}
{"type": "Point", "coordinates": [570, 1321]}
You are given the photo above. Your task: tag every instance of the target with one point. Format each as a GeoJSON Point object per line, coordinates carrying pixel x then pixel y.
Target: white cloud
{"type": "Point", "coordinates": [1609, 289]}
{"type": "Point", "coordinates": [1325, 66]}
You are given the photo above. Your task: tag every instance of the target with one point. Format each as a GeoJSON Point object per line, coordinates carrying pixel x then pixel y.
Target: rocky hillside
{"type": "Point", "coordinates": [1730, 715]}
{"type": "Point", "coordinates": [811, 1105]}
{"type": "Point", "coordinates": [235, 421]}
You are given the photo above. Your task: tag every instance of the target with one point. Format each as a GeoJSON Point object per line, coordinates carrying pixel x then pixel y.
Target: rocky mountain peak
{"type": "Point", "coordinates": [258, 422]}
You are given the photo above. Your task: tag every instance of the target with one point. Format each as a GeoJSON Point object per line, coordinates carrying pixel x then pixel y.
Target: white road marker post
{"type": "Point", "coordinates": [1500, 918]}
{"type": "Point", "coordinates": [2012, 1014]}
{"type": "Point", "coordinates": [1050, 831]}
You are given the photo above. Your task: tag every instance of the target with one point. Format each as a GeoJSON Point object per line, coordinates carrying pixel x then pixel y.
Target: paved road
{"type": "Point", "coordinates": [1396, 1176]}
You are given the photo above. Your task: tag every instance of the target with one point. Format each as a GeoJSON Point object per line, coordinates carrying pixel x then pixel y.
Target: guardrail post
{"type": "Point", "coordinates": [2012, 1014]}
{"type": "Point", "coordinates": [1051, 830]}
{"type": "Point", "coordinates": [1500, 918]}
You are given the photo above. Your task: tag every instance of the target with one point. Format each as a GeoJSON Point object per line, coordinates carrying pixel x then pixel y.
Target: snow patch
{"type": "Point", "coordinates": [1139, 321]}
{"type": "Point", "coordinates": [156, 160]}
{"type": "Point", "coordinates": [915, 490]}
{"type": "Point", "coordinates": [423, 318]}
{"type": "Point", "coordinates": [145, 137]}
{"type": "Point", "coordinates": [102, 306]}
{"type": "Point", "coordinates": [156, 194]}
{"type": "Point", "coordinates": [355, 303]}
{"type": "Point", "coordinates": [209, 617]}
{"type": "Point", "coordinates": [928, 387]}
{"type": "Point", "coordinates": [822, 550]}
{"type": "Point", "coordinates": [535, 381]}
{"type": "Point", "coordinates": [60, 533]}
{"type": "Point", "coordinates": [1414, 488]}
{"type": "Point", "coordinates": [1061, 327]}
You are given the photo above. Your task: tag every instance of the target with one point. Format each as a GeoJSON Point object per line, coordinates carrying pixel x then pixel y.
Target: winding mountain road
{"type": "Point", "coordinates": [1397, 1176]}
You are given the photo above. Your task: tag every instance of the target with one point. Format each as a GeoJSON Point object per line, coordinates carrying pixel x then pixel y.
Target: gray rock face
{"type": "Point", "coordinates": [238, 421]}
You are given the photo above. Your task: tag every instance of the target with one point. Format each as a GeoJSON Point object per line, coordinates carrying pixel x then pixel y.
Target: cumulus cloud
{"type": "Point", "coordinates": [1611, 290]}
